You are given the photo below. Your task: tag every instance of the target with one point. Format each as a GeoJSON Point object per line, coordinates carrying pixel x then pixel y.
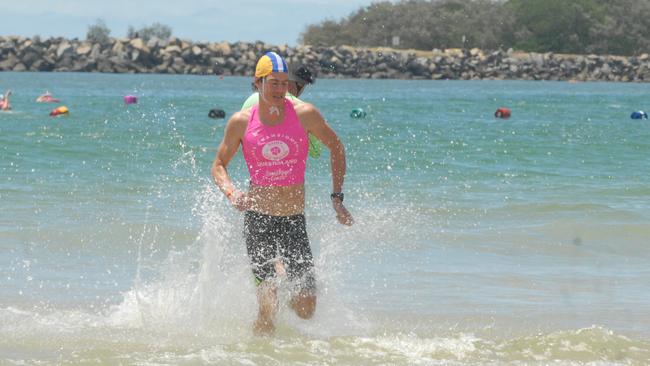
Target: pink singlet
{"type": "Point", "coordinates": [276, 155]}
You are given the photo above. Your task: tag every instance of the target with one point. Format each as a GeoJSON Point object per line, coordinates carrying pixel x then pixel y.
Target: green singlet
{"type": "Point", "coordinates": [314, 144]}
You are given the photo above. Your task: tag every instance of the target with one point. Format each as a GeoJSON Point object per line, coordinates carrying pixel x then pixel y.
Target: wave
{"type": "Point", "coordinates": [76, 337]}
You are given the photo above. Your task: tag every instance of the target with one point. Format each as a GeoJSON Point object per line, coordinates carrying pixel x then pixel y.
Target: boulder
{"type": "Point", "coordinates": [29, 57]}
{"type": "Point", "coordinates": [537, 59]}
{"type": "Point", "coordinates": [95, 51]}
{"type": "Point", "coordinates": [84, 48]}
{"type": "Point", "coordinates": [104, 65]}
{"type": "Point", "coordinates": [63, 49]}
{"type": "Point", "coordinates": [138, 44]}
{"type": "Point", "coordinates": [155, 42]}
{"type": "Point", "coordinates": [606, 69]}
{"type": "Point", "coordinates": [174, 41]}
{"type": "Point", "coordinates": [20, 67]}
{"type": "Point", "coordinates": [81, 65]}
{"type": "Point", "coordinates": [221, 49]}
{"type": "Point", "coordinates": [9, 62]}
{"type": "Point", "coordinates": [135, 55]}
{"type": "Point", "coordinates": [172, 49]}
{"type": "Point", "coordinates": [118, 50]}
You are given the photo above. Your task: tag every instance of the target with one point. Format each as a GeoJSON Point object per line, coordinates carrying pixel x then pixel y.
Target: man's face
{"type": "Point", "coordinates": [274, 87]}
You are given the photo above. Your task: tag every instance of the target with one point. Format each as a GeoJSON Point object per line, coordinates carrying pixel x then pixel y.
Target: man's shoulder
{"type": "Point", "coordinates": [241, 116]}
{"type": "Point", "coordinates": [239, 120]}
{"type": "Point", "coordinates": [309, 115]}
{"type": "Point", "coordinates": [305, 108]}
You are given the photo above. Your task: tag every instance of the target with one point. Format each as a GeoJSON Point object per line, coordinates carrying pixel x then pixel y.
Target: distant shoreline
{"type": "Point", "coordinates": [175, 56]}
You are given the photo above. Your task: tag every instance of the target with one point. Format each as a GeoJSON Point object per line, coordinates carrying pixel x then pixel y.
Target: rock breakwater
{"type": "Point", "coordinates": [176, 56]}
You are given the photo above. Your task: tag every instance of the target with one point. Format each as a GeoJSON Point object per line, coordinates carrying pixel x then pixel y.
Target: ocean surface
{"type": "Point", "coordinates": [478, 241]}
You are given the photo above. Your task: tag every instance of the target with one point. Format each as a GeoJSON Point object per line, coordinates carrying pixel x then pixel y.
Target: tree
{"type": "Point", "coordinates": [131, 33]}
{"type": "Point", "coordinates": [98, 32]}
{"type": "Point", "coordinates": [157, 30]}
{"type": "Point", "coordinates": [554, 25]}
{"type": "Point", "coordinates": [563, 26]}
{"type": "Point", "coordinates": [327, 33]}
{"type": "Point", "coordinates": [625, 29]}
{"type": "Point", "coordinates": [373, 26]}
{"type": "Point", "coordinates": [419, 24]}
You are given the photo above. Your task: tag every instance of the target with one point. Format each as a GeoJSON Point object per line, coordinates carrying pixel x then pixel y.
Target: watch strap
{"type": "Point", "coordinates": [338, 195]}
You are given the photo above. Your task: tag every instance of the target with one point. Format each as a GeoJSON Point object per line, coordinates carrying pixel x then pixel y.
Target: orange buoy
{"type": "Point", "coordinates": [58, 111]}
{"type": "Point", "coordinates": [502, 112]}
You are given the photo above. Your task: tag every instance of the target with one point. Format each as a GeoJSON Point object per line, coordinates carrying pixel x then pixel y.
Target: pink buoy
{"type": "Point", "coordinates": [130, 99]}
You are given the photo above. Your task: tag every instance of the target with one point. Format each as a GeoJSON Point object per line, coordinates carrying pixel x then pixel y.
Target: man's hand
{"type": "Point", "coordinates": [342, 213]}
{"type": "Point", "coordinates": [240, 201]}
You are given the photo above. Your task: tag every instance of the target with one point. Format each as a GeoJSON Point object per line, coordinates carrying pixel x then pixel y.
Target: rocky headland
{"type": "Point", "coordinates": [176, 56]}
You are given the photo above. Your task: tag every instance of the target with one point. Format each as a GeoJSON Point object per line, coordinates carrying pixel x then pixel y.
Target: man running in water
{"type": "Point", "coordinates": [273, 135]}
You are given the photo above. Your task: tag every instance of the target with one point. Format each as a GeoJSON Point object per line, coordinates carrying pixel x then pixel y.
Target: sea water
{"type": "Point", "coordinates": [478, 241]}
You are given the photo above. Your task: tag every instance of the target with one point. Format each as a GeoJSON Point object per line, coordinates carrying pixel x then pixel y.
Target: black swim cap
{"type": "Point", "coordinates": [301, 74]}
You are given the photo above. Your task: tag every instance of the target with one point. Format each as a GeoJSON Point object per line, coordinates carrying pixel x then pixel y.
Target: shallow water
{"type": "Point", "coordinates": [477, 241]}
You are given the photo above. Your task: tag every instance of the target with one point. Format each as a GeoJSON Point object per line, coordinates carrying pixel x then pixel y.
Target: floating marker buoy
{"type": "Point", "coordinates": [59, 111]}
{"type": "Point", "coordinates": [217, 113]}
{"type": "Point", "coordinates": [639, 115]}
{"type": "Point", "coordinates": [47, 98]}
{"type": "Point", "coordinates": [358, 113]}
{"type": "Point", "coordinates": [502, 113]}
{"type": "Point", "coordinates": [130, 99]}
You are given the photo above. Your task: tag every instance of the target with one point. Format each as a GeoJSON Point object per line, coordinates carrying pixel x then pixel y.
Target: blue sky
{"type": "Point", "coordinates": [275, 22]}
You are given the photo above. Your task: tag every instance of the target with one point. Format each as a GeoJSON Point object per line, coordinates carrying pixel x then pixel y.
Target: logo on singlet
{"type": "Point", "coordinates": [275, 150]}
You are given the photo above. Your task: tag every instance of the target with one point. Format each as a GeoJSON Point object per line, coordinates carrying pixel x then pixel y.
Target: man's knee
{"type": "Point", "coordinates": [304, 306]}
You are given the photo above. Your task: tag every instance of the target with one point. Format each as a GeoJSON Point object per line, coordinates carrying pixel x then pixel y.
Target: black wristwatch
{"type": "Point", "coordinates": [337, 195]}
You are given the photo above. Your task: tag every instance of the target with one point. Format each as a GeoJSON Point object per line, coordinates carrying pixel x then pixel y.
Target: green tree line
{"type": "Point", "coordinates": [100, 33]}
{"type": "Point", "coordinates": [619, 27]}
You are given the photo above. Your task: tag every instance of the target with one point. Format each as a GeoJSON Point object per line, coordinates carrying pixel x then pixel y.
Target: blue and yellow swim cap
{"type": "Point", "coordinates": [269, 63]}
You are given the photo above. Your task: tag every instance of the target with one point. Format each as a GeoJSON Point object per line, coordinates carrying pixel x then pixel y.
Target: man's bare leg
{"type": "Point", "coordinates": [267, 298]}
{"type": "Point", "coordinates": [303, 304]}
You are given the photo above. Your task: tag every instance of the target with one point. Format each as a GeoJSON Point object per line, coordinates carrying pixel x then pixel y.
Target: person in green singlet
{"type": "Point", "coordinates": [299, 77]}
